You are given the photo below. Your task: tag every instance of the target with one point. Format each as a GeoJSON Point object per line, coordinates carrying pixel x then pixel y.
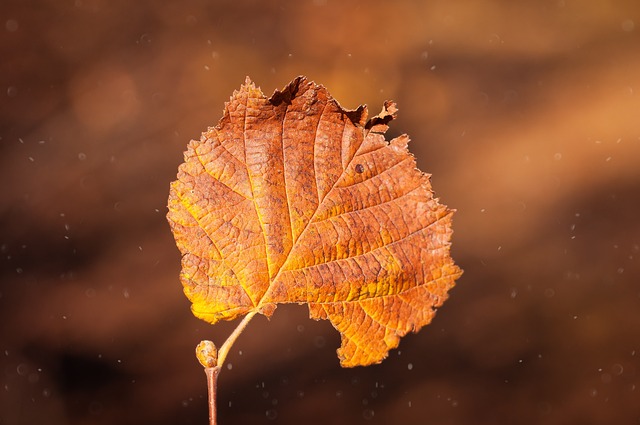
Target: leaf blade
{"type": "Point", "coordinates": [322, 211]}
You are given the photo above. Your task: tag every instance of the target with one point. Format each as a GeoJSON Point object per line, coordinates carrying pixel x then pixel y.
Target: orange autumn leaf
{"type": "Point", "coordinates": [294, 199]}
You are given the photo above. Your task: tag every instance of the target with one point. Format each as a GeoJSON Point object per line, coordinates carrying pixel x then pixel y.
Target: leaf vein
{"type": "Point", "coordinates": [366, 207]}
{"type": "Point", "coordinates": [204, 167]}
{"type": "Point", "coordinates": [253, 196]}
{"type": "Point", "coordinates": [313, 152]}
{"type": "Point", "coordinates": [354, 257]}
{"type": "Point", "coordinates": [284, 175]}
{"type": "Point", "coordinates": [223, 259]}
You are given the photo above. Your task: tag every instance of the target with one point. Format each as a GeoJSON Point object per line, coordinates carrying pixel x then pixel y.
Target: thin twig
{"type": "Point", "coordinates": [212, 387]}
{"type": "Point", "coordinates": [212, 360]}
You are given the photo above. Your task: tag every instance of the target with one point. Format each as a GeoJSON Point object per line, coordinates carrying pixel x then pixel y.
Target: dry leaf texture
{"type": "Point", "coordinates": [294, 199]}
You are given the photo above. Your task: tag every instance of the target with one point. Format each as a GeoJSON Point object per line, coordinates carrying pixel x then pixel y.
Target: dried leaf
{"type": "Point", "coordinates": [294, 199]}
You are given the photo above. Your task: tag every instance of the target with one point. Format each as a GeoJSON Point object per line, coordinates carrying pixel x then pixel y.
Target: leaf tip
{"type": "Point", "coordinates": [248, 88]}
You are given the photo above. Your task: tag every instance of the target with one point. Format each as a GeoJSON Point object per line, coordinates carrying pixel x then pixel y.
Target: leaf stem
{"type": "Point", "coordinates": [224, 350]}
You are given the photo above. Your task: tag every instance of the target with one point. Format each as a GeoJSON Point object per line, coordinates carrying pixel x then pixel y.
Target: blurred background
{"type": "Point", "coordinates": [527, 113]}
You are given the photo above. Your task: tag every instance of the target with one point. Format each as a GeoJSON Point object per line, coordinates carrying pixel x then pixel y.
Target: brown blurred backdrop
{"type": "Point", "coordinates": [527, 113]}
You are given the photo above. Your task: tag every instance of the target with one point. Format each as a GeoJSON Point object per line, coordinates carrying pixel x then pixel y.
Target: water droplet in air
{"type": "Point", "coordinates": [271, 414]}
{"type": "Point", "coordinates": [12, 25]}
{"type": "Point", "coordinates": [144, 38]}
{"type": "Point", "coordinates": [627, 25]}
{"type": "Point", "coordinates": [22, 369]}
{"type": "Point", "coordinates": [368, 414]}
{"type": "Point", "coordinates": [617, 369]}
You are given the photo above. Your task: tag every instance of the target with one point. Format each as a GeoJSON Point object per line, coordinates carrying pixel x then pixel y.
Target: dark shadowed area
{"type": "Point", "coordinates": [526, 113]}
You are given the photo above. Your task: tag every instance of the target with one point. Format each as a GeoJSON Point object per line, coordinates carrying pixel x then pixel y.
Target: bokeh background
{"type": "Point", "coordinates": [527, 113]}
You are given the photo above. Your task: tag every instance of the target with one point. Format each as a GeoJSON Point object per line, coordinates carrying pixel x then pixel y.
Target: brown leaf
{"type": "Point", "coordinates": [294, 199]}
